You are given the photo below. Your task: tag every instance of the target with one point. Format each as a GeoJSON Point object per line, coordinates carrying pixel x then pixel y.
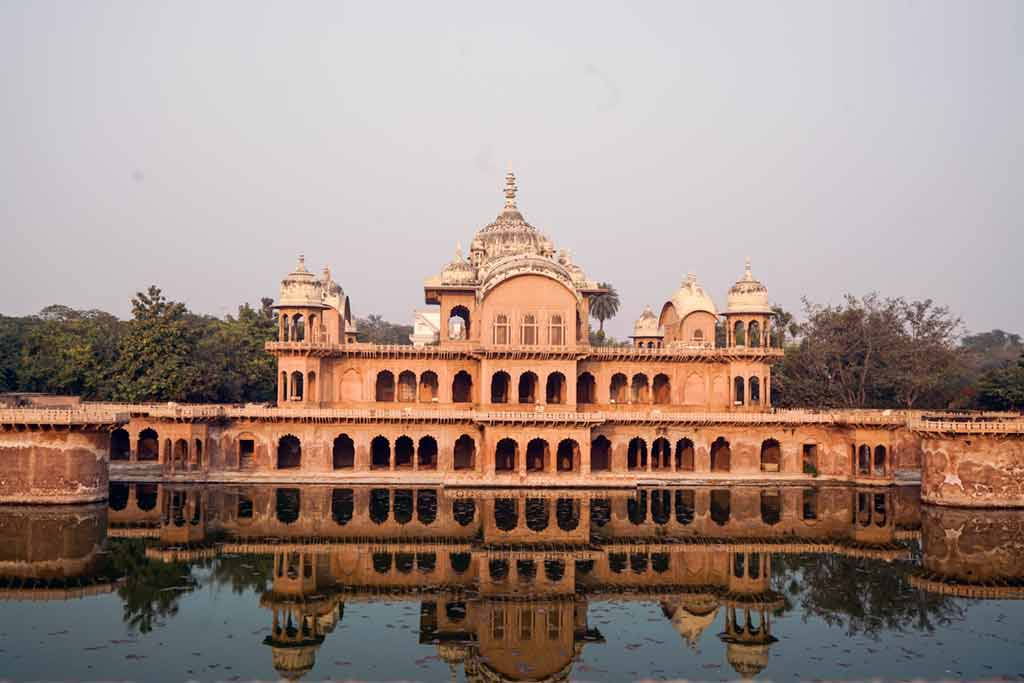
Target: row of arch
{"type": "Point", "coordinates": [868, 462]}
{"type": "Point", "coordinates": [404, 454]}
{"type": "Point", "coordinates": [296, 386]}
{"type": "Point", "coordinates": [147, 446]}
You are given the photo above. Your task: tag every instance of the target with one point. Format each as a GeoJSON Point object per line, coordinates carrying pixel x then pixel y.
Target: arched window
{"type": "Point", "coordinates": [380, 453]}
{"type": "Point", "coordinates": [585, 388]}
{"type": "Point", "coordinates": [864, 459]}
{"type": "Point", "coordinates": [600, 454]}
{"type": "Point", "coordinates": [738, 334]}
{"type": "Point", "coordinates": [754, 333]}
{"type": "Point", "coordinates": [311, 385]}
{"type": "Point", "coordinates": [298, 327]}
{"type": "Point", "coordinates": [528, 388]}
{"type": "Point", "coordinates": [556, 330]}
{"type": "Point", "coordinates": [296, 386]}
{"type": "Point", "coordinates": [289, 452]}
{"type": "Point", "coordinates": [618, 390]}
{"type": "Point", "coordinates": [662, 389]}
{"type": "Point", "coordinates": [462, 387]}
{"type": "Point", "coordinates": [568, 456]}
{"type": "Point", "coordinates": [755, 391]}
{"type": "Point", "coordinates": [458, 323]}
{"type": "Point", "coordinates": [428, 387]}
{"type": "Point", "coordinates": [737, 384]}
{"type": "Point", "coordinates": [684, 456]}
{"type": "Point", "coordinates": [636, 455]}
{"type": "Point", "coordinates": [528, 334]}
{"type": "Point", "coordinates": [343, 453]}
{"type": "Point", "coordinates": [879, 463]}
{"type": "Point", "coordinates": [537, 455]}
{"type": "Point", "coordinates": [407, 387]}
{"type": "Point", "coordinates": [501, 330]}
{"type": "Point", "coordinates": [464, 455]}
{"type": "Point", "coordinates": [555, 388]}
{"type": "Point", "coordinates": [641, 392]}
{"type": "Point", "coordinates": [385, 391]}
{"type": "Point", "coordinates": [698, 336]}
{"type": "Point", "coordinates": [499, 387]}
{"type": "Point", "coordinates": [505, 455]}
{"type": "Point", "coordinates": [313, 329]}
{"type": "Point", "coordinates": [286, 331]}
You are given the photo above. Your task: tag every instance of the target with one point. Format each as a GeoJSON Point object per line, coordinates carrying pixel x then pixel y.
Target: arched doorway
{"type": "Point", "coordinates": [879, 469]}
{"type": "Point", "coordinates": [407, 387]}
{"type": "Point", "coordinates": [619, 388]}
{"type": "Point", "coordinates": [344, 452]}
{"type": "Point", "coordinates": [428, 387]}
{"type": "Point", "coordinates": [148, 448]}
{"type": "Point", "coordinates": [385, 387]}
{"type": "Point", "coordinates": [505, 456]}
{"type": "Point", "coordinates": [528, 388]}
{"type": "Point", "coordinates": [662, 389]}
{"type": "Point", "coordinates": [685, 456]}
{"type": "Point", "coordinates": [296, 386]}
{"type": "Point", "coordinates": [289, 453]}
{"type": "Point", "coordinates": [771, 456]}
{"type": "Point", "coordinates": [120, 445]}
{"type": "Point", "coordinates": [380, 453]}
{"type": "Point", "coordinates": [404, 451]}
{"type": "Point", "coordinates": [661, 454]}
{"type": "Point", "coordinates": [499, 387]}
{"type": "Point", "coordinates": [462, 387]}
{"type": "Point", "coordinates": [538, 454]}
{"type": "Point", "coordinates": [738, 393]}
{"type": "Point", "coordinates": [636, 454]}
{"type": "Point", "coordinates": [601, 454]}
{"type": "Point", "coordinates": [585, 388]}
{"type": "Point", "coordinates": [721, 455]}
{"type": "Point", "coordinates": [426, 453]}
{"type": "Point", "coordinates": [567, 457]}
{"type": "Point", "coordinates": [458, 324]}
{"type": "Point", "coordinates": [640, 389]}
{"type": "Point", "coordinates": [555, 390]}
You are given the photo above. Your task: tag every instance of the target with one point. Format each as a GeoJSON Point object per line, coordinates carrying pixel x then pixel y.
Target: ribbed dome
{"type": "Point", "coordinates": [748, 295]}
{"type": "Point", "coordinates": [747, 660]}
{"type": "Point", "coordinates": [459, 271]}
{"type": "Point", "coordinates": [509, 233]}
{"type": "Point", "coordinates": [647, 325]}
{"type": "Point", "coordinates": [691, 297]}
{"type": "Point", "coordinates": [690, 626]}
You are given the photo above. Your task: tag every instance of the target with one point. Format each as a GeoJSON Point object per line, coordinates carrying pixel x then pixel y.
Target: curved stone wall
{"type": "Point", "coordinates": [53, 466]}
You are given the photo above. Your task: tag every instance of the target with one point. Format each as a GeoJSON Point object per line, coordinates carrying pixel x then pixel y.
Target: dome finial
{"type": "Point", "coordinates": [747, 274]}
{"type": "Point", "coordinates": [510, 189]}
{"type": "Point", "coordinates": [301, 267]}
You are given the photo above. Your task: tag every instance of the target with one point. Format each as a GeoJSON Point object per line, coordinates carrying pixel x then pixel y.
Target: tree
{"type": "Point", "coordinates": [156, 352]}
{"type": "Point", "coordinates": [375, 330]}
{"type": "Point", "coordinates": [1003, 389]}
{"type": "Point", "coordinates": [604, 306]}
{"type": "Point", "coordinates": [783, 323]}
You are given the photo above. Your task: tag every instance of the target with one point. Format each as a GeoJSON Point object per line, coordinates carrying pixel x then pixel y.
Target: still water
{"type": "Point", "coordinates": [168, 583]}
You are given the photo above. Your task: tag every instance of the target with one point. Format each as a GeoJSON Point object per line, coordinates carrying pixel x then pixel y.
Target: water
{"type": "Point", "coordinates": [172, 583]}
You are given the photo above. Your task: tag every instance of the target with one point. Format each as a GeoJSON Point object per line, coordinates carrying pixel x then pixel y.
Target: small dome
{"type": "Point", "coordinates": [647, 325]}
{"type": "Point", "coordinates": [299, 287]}
{"type": "Point", "coordinates": [748, 295]}
{"type": "Point", "coordinates": [459, 271]}
{"type": "Point", "coordinates": [691, 298]}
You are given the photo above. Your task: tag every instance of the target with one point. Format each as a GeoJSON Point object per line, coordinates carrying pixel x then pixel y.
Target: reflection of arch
{"type": "Point", "coordinates": [528, 387]}
{"type": "Point", "coordinates": [537, 514]}
{"type": "Point", "coordinates": [567, 513]}
{"type": "Point", "coordinates": [555, 388]}
{"type": "Point", "coordinates": [686, 506]}
{"type": "Point", "coordinates": [505, 455]}
{"type": "Point", "coordinates": [771, 507]}
{"type": "Point", "coordinates": [464, 511]}
{"type": "Point", "coordinates": [117, 498]}
{"type": "Point", "coordinates": [499, 387]}
{"type": "Point", "coordinates": [351, 386]}
{"type": "Point", "coordinates": [567, 457]}
{"type": "Point", "coordinates": [344, 452]}
{"type": "Point", "coordinates": [380, 505]}
{"type": "Point", "coordinates": [619, 388]}
{"type": "Point", "coordinates": [506, 514]}
{"type": "Point", "coordinates": [585, 387]}
{"type": "Point", "coordinates": [721, 506]}
{"type": "Point", "coordinates": [289, 452]}
{"type": "Point", "coordinates": [537, 455]}
{"type": "Point", "coordinates": [342, 506]}
{"type": "Point", "coordinates": [636, 455]}
{"type": "Point", "coordinates": [462, 387]}
{"type": "Point", "coordinates": [380, 453]}
{"type": "Point", "coordinates": [464, 455]}
{"type": "Point", "coordinates": [771, 456]}
{"type": "Point", "coordinates": [385, 386]}
{"type": "Point", "coordinates": [289, 502]}
{"type": "Point", "coordinates": [685, 456]}
{"type": "Point", "coordinates": [460, 562]}
{"type": "Point", "coordinates": [721, 455]}
{"type": "Point", "coordinates": [600, 454]}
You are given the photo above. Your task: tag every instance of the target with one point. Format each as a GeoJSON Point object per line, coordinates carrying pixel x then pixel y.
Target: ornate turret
{"type": "Point", "coordinates": [647, 333]}
{"type": "Point", "coordinates": [748, 295]}
{"type": "Point", "coordinates": [748, 312]}
{"type": "Point", "coordinates": [459, 271]}
{"type": "Point", "coordinates": [509, 233]}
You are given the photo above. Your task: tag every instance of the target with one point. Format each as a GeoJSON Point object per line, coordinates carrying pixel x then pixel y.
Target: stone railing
{"type": "Point", "coordinates": [69, 416]}
{"type": "Point", "coordinates": [990, 426]}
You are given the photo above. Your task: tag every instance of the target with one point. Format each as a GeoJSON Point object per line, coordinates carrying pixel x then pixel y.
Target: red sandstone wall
{"type": "Point", "coordinates": [53, 466]}
{"type": "Point", "coordinates": [973, 471]}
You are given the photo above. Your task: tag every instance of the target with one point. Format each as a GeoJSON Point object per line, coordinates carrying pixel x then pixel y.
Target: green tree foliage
{"type": "Point", "coordinates": [872, 352]}
{"type": "Point", "coordinates": [375, 330]}
{"type": "Point", "coordinates": [1002, 388]}
{"type": "Point", "coordinates": [70, 352]}
{"type": "Point", "coordinates": [604, 306]}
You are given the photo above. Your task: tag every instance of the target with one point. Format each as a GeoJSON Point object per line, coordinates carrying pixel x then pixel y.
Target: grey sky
{"type": "Point", "coordinates": [845, 147]}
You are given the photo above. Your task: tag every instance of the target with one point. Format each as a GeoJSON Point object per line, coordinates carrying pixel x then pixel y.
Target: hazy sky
{"type": "Point", "coordinates": [845, 147]}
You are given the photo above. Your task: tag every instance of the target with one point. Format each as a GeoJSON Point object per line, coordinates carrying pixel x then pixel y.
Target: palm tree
{"type": "Point", "coordinates": [604, 306]}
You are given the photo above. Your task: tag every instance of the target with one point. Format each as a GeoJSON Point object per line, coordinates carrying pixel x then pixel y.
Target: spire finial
{"type": "Point", "coordinates": [301, 267]}
{"type": "Point", "coordinates": [458, 251]}
{"type": "Point", "coordinates": [747, 274]}
{"type": "Point", "coordinates": [510, 189]}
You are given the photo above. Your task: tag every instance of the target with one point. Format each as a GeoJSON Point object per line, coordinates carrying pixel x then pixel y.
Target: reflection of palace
{"type": "Point", "coordinates": [509, 574]}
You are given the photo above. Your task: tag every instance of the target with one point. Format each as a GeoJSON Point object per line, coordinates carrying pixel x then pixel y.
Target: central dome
{"type": "Point", "coordinates": [509, 233]}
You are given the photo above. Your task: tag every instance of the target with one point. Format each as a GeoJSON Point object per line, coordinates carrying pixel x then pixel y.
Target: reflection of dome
{"type": "Point", "coordinates": [299, 287]}
{"type": "Point", "coordinates": [453, 653]}
{"type": "Point", "coordinates": [691, 298]}
{"type": "Point", "coordinates": [747, 660]}
{"type": "Point", "coordinates": [459, 271]}
{"type": "Point", "coordinates": [748, 295]}
{"type": "Point", "coordinates": [647, 325]}
{"type": "Point", "coordinates": [294, 662]}
{"type": "Point", "coordinates": [690, 625]}
{"type": "Point", "coordinates": [509, 233]}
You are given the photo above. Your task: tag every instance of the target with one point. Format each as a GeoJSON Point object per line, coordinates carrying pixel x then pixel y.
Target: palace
{"type": "Point", "coordinates": [501, 387]}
